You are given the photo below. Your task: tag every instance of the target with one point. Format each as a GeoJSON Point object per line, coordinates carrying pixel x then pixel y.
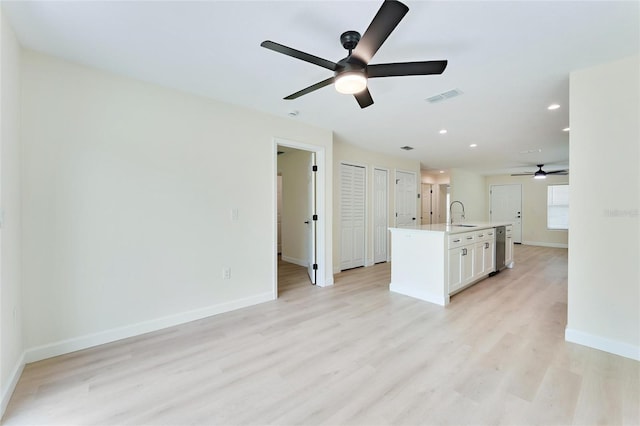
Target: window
{"type": "Point", "coordinates": [558, 207]}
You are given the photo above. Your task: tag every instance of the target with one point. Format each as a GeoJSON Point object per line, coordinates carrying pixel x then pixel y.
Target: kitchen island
{"type": "Point", "coordinates": [433, 262]}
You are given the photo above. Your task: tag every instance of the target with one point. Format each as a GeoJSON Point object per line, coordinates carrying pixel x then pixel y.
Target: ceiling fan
{"type": "Point", "coordinates": [541, 174]}
{"type": "Point", "coordinates": [351, 73]}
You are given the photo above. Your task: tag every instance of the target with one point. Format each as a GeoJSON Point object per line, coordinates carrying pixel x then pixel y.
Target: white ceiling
{"type": "Point", "coordinates": [511, 59]}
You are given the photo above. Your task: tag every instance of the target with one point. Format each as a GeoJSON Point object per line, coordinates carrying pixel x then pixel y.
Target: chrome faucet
{"type": "Point", "coordinates": [451, 210]}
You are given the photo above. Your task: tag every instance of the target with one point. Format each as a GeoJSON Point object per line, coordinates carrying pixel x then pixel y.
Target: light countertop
{"type": "Point", "coordinates": [455, 228]}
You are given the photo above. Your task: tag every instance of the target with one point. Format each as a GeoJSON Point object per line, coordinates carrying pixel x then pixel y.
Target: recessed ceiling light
{"type": "Point", "coordinates": [566, 129]}
{"type": "Point", "coordinates": [406, 148]}
{"type": "Point", "coordinates": [443, 131]}
{"type": "Point", "coordinates": [473, 145]}
{"type": "Point", "coordinates": [293, 113]}
{"type": "Point", "coordinates": [441, 171]}
{"type": "Point", "coordinates": [553, 106]}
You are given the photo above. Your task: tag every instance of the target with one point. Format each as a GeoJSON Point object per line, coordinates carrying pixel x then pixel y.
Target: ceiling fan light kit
{"type": "Point", "coordinates": [351, 73]}
{"type": "Point", "coordinates": [351, 82]}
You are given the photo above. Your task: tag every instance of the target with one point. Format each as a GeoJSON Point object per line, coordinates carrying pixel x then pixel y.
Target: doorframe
{"type": "Point", "coordinates": [395, 194]}
{"type": "Point", "coordinates": [373, 234]}
{"type": "Point", "coordinates": [521, 204]}
{"type": "Point", "coordinates": [324, 275]}
{"type": "Point", "coordinates": [366, 210]}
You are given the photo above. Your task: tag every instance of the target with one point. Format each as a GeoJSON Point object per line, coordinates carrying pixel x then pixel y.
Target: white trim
{"type": "Point", "coordinates": [417, 190]}
{"type": "Point", "coordinates": [7, 392]}
{"type": "Point", "coordinates": [367, 262]}
{"type": "Point", "coordinates": [108, 336]}
{"type": "Point", "coordinates": [543, 244]}
{"type": "Point", "coordinates": [295, 261]}
{"type": "Point", "coordinates": [602, 343]}
{"type": "Point", "coordinates": [387, 205]}
{"type": "Point", "coordinates": [415, 292]}
{"type": "Point", "coordinates": [324, 277]}
{"type": "Point", "coordinates": [522, 200]}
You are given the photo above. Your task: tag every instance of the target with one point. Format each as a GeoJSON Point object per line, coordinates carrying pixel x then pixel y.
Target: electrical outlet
{"type": "Point", "coordinates": [226, 273]}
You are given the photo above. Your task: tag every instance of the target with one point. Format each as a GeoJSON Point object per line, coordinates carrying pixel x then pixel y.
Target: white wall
{"type": "Point", "coordinates": [11, 341]}
{"type": "Point", "coordinates": [604, 239]}
{"type": "Point", "coordinates": [469, 188]}
{"type": "Point", "coordinates": [534, 208]}
{"type": "Point", "coordinates": [293, 165]}
{"type": "Point", "coordinates": [344, 152]}
{"type": "Point", "coordinates": [128, 190]}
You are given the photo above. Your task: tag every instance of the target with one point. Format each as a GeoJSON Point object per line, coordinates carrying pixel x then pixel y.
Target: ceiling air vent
{"type": "Point", "coordinates": [406, 148]}
{"type": "Point", "coordinates": [444, 96]}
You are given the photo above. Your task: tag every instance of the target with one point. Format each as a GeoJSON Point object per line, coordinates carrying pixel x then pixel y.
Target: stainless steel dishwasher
{"type": "Point", "coordinates": [501, 241]}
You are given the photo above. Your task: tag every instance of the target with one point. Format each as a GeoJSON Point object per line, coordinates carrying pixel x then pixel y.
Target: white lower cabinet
{"type": "Point", "coordinates": [455, 269]}
{"type": "Point", "coordinates": [508, 249]}
{"type": "Point", "coordinates": [490, 256]}
{"type": "Point", "coordinates": [471, 258]}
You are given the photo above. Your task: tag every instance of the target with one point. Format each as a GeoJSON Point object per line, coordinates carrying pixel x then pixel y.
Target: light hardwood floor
{"type": "Point", "coordinates": [354, 354]}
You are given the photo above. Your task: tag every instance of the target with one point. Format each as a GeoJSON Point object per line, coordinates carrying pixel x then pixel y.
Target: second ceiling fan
{"type": "Point", "coordinates": [351, 73]}
{"type": "Point", "coordinates": [541, 174]}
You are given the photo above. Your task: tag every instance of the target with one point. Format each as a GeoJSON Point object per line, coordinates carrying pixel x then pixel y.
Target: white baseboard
{"type": "Point", "coordinates": [108, 336]}
{"type": "Point", "coordinates": [295, 261]}
{"type": "Point", "coordinates": [542, 244]}
{"type": "Point", "coordinates": [597, 342]}
{"type": "Point", "coordinates": [7, 390]}
{"type": "Point", "coordinates": [438, 299]}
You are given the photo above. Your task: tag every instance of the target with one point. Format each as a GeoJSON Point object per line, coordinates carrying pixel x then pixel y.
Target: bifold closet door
{"type": "Point", "coordinates": [352, 216]}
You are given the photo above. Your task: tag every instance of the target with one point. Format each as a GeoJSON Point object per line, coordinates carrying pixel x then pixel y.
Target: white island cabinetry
{"type": "Point", "coordinates": [432, 262]}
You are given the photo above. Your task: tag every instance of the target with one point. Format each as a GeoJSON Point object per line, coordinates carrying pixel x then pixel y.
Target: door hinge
{"type": "Point", "coordinates": [396, 214]}
{"type": "Point", "coordinates": [315, 217]}
{"type": "Point", "coordinates": [418, 195]}
{"type": "Point", "coordinates": [397, 180]}
{"type": "Point", "coordinates": [314, 168]}
{"type": "Point", "coordinates": [431, 191]}
{"type": "Point", "coordinates": [315, 266]}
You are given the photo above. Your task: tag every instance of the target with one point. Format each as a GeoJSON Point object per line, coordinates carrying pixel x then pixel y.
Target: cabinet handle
{"type": "Point", "coordinates": [464, 251]}
{"type": "Point", "coordinates": [469, 238]}
{"type": "Point", "coordinates": [456, 241]}
{"type": "Point", "coordinates": [486, 245]}
{"type": "Point", "coordinates": [481, 235]}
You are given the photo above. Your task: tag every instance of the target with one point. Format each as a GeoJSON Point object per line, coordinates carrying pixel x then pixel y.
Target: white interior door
{"type": "Point", "coordinates": [506, 206]}
{"type": "Point", "coordinates": [352, 216]}
{"type": "Point", "coordinates": [406, 199]}
{"type": "Point", "coordinates": [312, 219]}
{"type": "Point", "coordinates": [380, 214]}
{"type": "Point", "coordinates": [279, 213]}
{"type": "Point", "coordinates": [427, 204]}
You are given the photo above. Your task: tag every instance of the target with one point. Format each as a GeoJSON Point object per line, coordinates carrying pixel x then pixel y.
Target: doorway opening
{"type": "Point", "coordinates": [299, 201]}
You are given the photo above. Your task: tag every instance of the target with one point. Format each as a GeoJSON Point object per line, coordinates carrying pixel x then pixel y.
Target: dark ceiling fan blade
{"type": "Point", "coordinates": [558, 172]}
{"type": "Point", "coordinates": [522, 174]}
{"type": "Point", "coordinates": [311, 88]}
{"type": "Point", "coordinates": [276, 47]}
{"type": "Point", "coordinates": [388, 17]}
{"type": "Point", "coordinates": [364, 98]}
{"type": "Point", "coordinates": [406, 68]}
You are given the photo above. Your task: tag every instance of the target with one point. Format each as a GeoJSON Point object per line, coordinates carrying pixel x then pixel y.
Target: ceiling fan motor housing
{"type": "Point", "coordinates": [349, 40]}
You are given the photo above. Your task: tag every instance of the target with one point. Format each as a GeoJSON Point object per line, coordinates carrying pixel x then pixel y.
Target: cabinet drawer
{"type": "Point", "coordinates": [485, 235]}
{"type": "Point", "coordinates": [457, 240]}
